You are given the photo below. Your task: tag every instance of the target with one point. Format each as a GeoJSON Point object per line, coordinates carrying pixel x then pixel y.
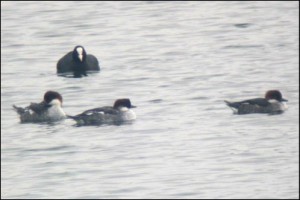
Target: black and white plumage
{"type": "Point", "coordinates": [77, 62]}
{"type": "Point", "coordinates": [272, 104]}
{"type": "Point", "coordinates": [120, 112]}
{"type": "Point", "coordinates": [48, 110]}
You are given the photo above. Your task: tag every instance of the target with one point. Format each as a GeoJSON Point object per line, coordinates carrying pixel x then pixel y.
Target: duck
{"type": "Point", "coordinates": [49, 110]}
{"type": "Point", "coordinates": [272, 103]}
{"type": "Point", "coordinates": [120, 112]}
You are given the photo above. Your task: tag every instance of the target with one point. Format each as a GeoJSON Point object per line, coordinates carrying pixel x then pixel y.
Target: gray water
{"type": "Point", "coordinates": [177, 62]}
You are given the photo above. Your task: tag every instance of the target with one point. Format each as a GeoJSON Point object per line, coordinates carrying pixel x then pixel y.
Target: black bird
{"type": "Point", "coordinates": [78, 62]}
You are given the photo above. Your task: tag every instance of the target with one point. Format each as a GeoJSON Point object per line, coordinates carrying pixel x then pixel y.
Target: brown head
{"type": "Point", "coordinates": [123, 103]}
{"type": "Point", "coordinates": [51, 95]}
{"type": "Point", "coordinates": [274, 94]}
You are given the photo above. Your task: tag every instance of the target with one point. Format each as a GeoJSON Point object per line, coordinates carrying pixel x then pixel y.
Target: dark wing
{"type": "Point", "coordinates": [38, 108]}
{"type": "Point", "coordinates": [95, 111]}
{"type": "Point", "coordinates": [104, 110]}
{"type": "Point", "coordinates": [19, 110]}
{"type": "Point", "coordinates": [65, 63]}
{"type": "Point", "coordinates": [92, 63]}
{"type": "Point", "coordinates": [257, 101]}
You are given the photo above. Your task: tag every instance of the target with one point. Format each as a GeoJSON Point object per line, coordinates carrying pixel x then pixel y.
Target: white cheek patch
{"type": "Point", "coordinates": [55, 112]}
{"type": "Point", "coordinates": [55, 102]}
{"type": "Point", "coordinates": [124, 109]}
{"type": "Point", "coordinates": [273, 101]}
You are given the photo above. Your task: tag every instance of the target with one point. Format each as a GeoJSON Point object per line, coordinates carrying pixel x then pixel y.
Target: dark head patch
{"type": "Point", "coordinates": [123, 103]}
{"type": "Point", "coordinates": [274, 94]}
{"type": "Point", "coordinates": [50, 95]}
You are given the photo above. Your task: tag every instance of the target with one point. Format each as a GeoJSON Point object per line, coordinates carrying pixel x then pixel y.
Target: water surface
{"type": "Point", "coordinates": [176, 61]}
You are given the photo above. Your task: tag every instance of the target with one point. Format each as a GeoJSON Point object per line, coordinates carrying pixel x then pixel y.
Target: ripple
{"type": "Point", "coordinates": [242, 46]}
{"type": "Point", "coordinates": [177, 64]}
{"type": "Point", "coordinates": [242, 25]}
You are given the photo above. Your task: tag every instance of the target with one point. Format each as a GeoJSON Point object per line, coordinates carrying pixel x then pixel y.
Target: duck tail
{"type": "Point", "coordinates": [19, 110]}
{"type": "Point", "coordinates": [227, 103]}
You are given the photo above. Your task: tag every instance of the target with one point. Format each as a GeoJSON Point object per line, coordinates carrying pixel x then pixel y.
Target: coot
{"type": "Point", "coordinates": [78, 62]}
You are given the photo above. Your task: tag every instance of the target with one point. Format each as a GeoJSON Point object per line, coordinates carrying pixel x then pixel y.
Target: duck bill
{"type": "Point", "coordinates": [132, 106]}
{"type": "Point", "coordinates": [284, 99]}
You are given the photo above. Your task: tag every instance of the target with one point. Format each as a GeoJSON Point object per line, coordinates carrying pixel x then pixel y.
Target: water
{"type": "Point", "coordinates": [177, 61]}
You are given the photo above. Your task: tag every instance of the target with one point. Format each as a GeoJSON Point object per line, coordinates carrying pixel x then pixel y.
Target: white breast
{"type": "Point", "coordinates": [55, 112]}
{"type": "Point", "coordinates": [128, 115]}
